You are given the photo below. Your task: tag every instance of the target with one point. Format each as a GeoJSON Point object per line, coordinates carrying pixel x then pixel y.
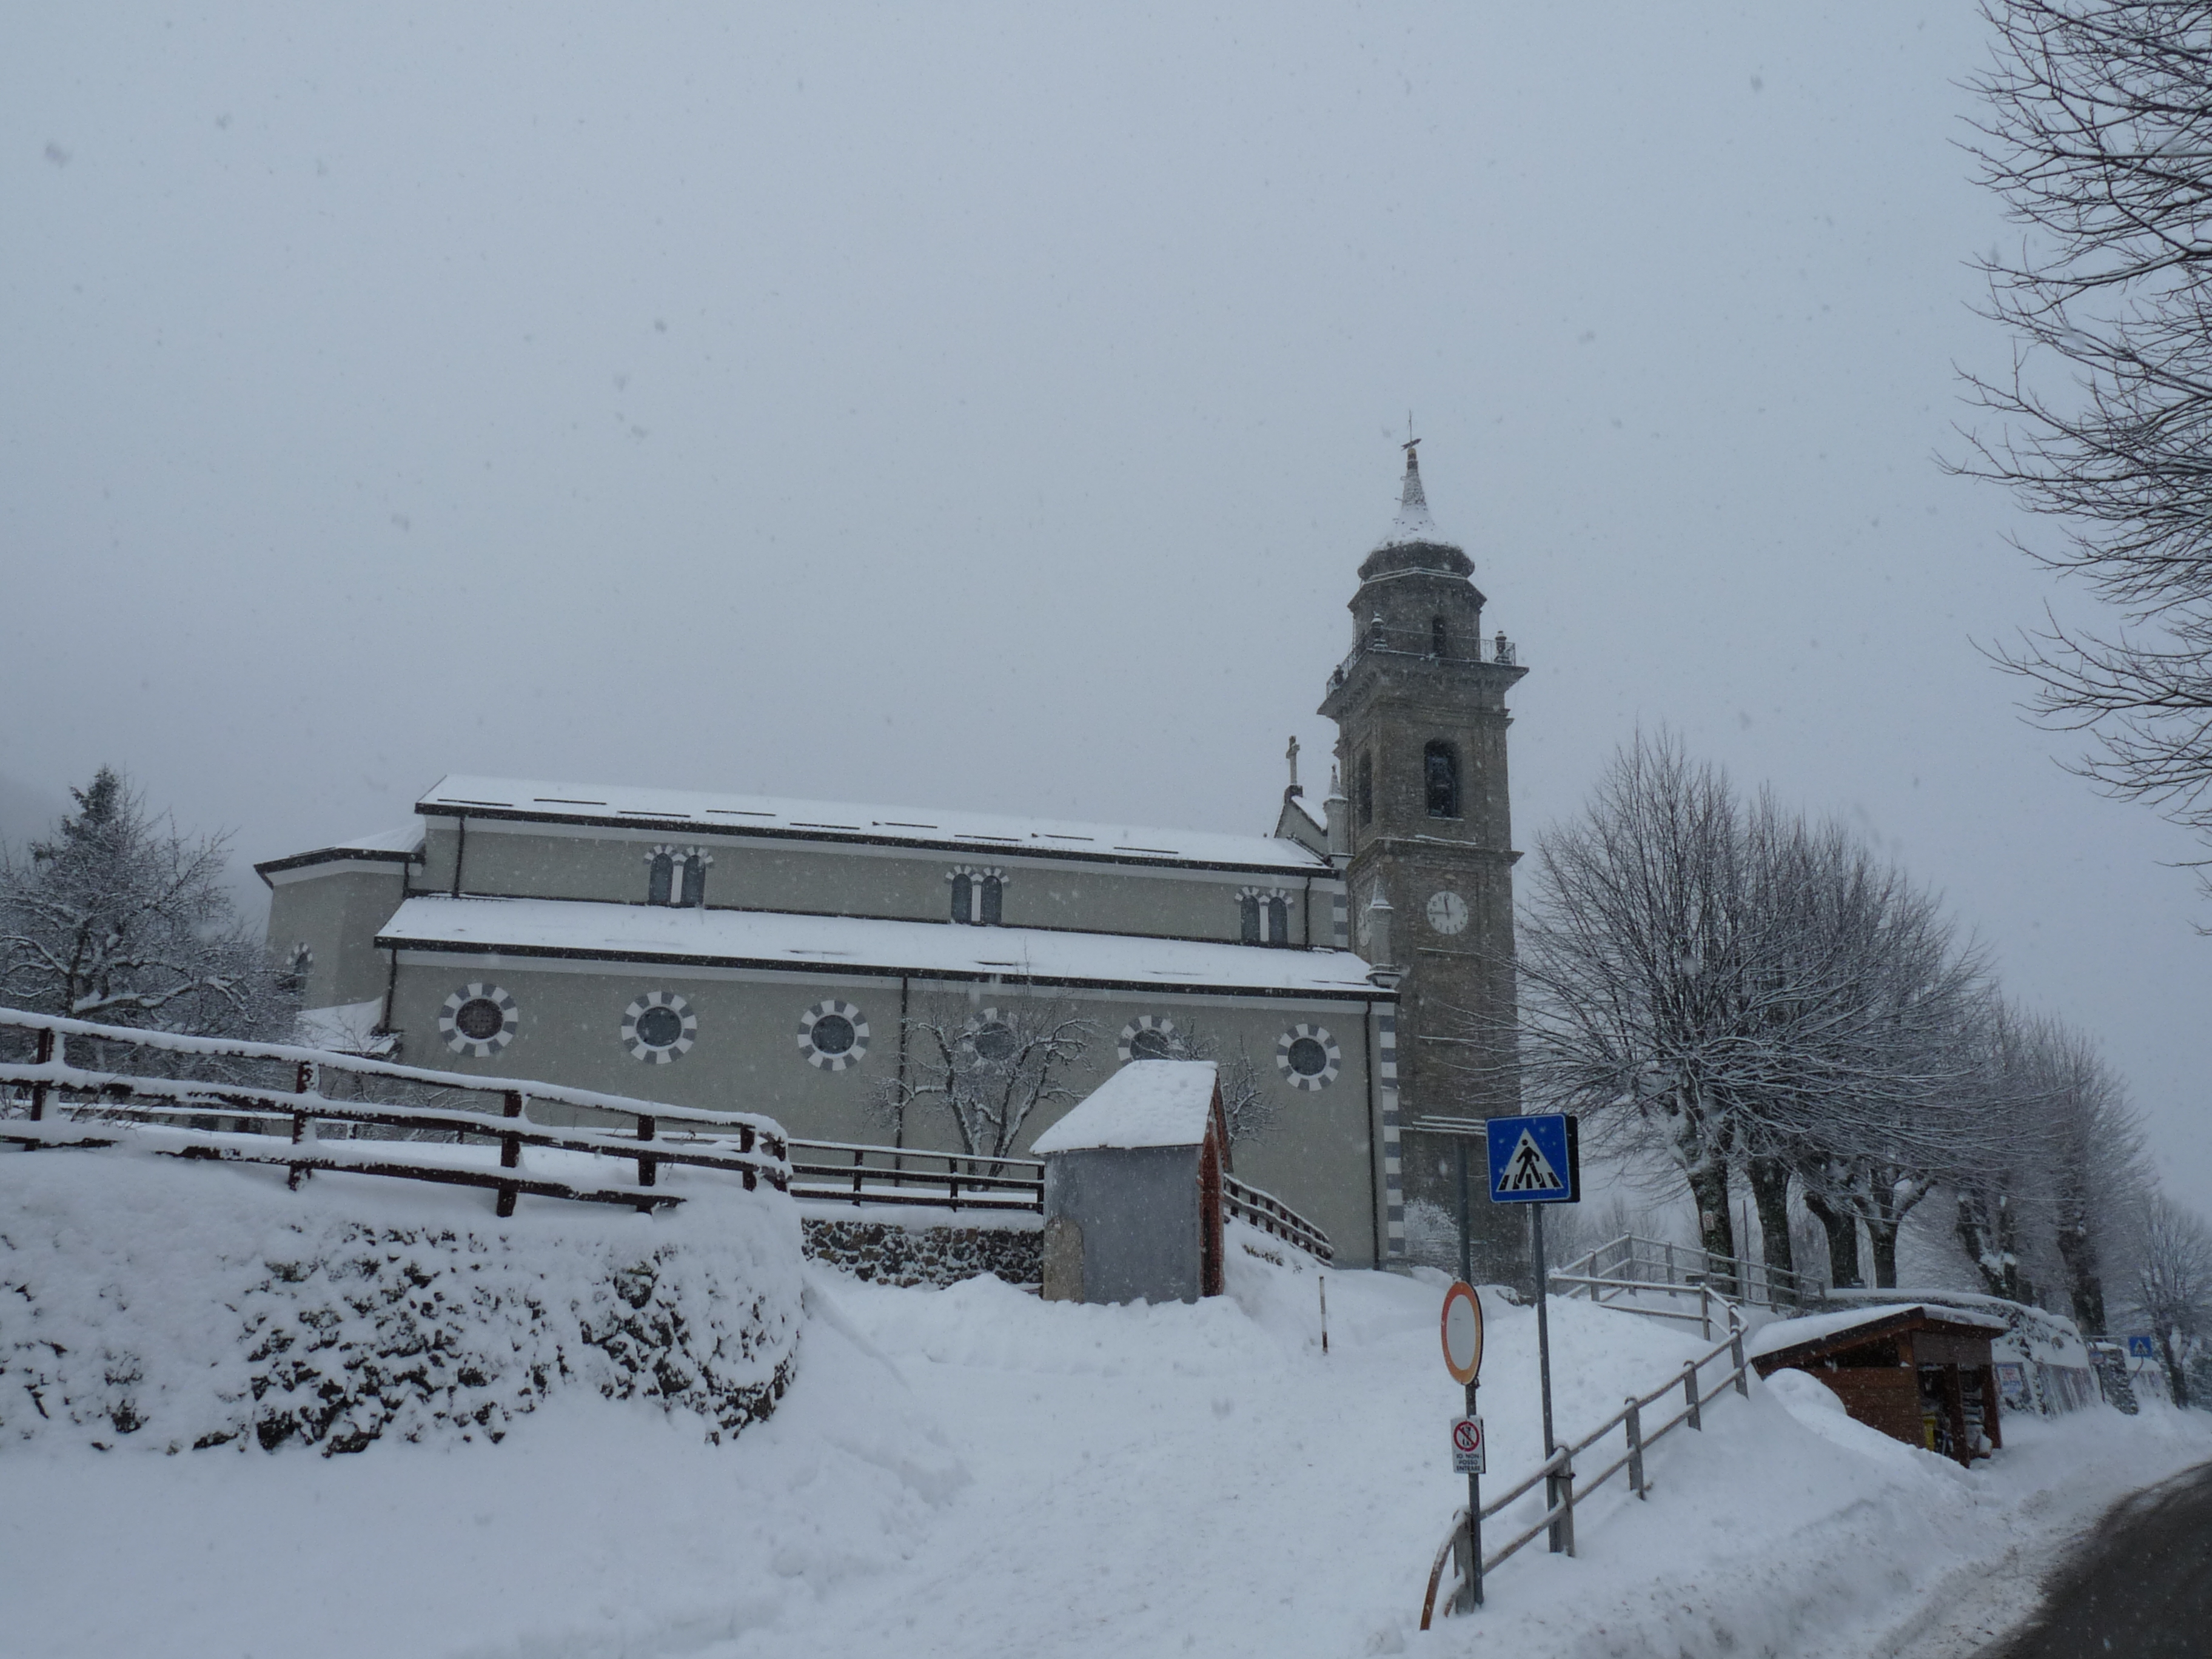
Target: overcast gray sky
{"type": "Point", "coordinates": [988, 406]}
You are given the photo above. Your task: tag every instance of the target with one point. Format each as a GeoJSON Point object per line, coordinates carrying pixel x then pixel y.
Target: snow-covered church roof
{"type": "Point", "coordinates": [954, 831]}
{"type": "Point", "coordinates": [379, 846]}
{"type": "Point", "coordinates": [596, 931]}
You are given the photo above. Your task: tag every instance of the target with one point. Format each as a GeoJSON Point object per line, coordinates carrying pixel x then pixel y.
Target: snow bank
{"type": "Point", "coordinates": [146, 1302]}
{"type": "Point", "coordinates": [972, 1472]}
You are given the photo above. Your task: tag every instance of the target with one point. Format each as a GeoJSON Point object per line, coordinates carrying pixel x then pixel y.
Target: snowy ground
{"type": "Point", "coordinates": [973, 1472]}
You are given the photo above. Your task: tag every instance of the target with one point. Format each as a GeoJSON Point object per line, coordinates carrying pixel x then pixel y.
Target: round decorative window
{"type": "Point", "coordinates": [477, 1020]}
{"type": "Point", "coordinates": [833, 1035]}
{"type": "Point", "coordinates": [991, 1037]}
{"type": "Point", "coordinates": [1447, 913]}
{"type": "Point", "coordinates": [658, 1026]}
{"type": "Point", "coordinates": [1308, 1057]}
{"type": "Point", "coordinates": [1149, 1037]}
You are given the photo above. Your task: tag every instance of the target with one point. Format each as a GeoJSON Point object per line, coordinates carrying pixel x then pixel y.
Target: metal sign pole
{"type": "Point", "coordinates": [1544, 1368]}
{"type": "Point", "coordinates": [1473, 1486]}
{"type": "Point", "coordinates": [1466, 1223]}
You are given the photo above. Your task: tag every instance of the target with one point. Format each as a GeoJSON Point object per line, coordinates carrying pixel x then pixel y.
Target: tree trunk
{"type": "Point", "coordinates": [1770, 1194]}
{"type": "Point", "coordinates": [2084, 1286]}
{"type": "Point", "coordinates": [1842, 1227]}
{"type": "Point", "coordinates": [1708, 1188]}
{"type": "Point", "coordinates": [1973, 1232]}
{"type": "Point", "coordinates": [1882, 1240]}
{"type": "Point", "coordinates": [2169, 1353]}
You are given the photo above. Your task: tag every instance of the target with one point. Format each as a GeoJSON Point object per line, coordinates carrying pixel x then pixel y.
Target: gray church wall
{"type": "Point", "coordinates": [537, 861]}
{"type": "Point", "coordinates": [1318, 1156]}
{"type": "Point", "coordinates": [335, 909]}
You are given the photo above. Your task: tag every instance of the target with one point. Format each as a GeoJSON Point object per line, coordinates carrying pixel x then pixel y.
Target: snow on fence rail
{"type": "Point", "coordinates": [1619, 1273]}
{"type": "Point", "coordinates": [834, 1171]}
{"type": "Point", "coordinates": [63, 1104]}
{"type": "Point", "coordinates": [1559, 1469]}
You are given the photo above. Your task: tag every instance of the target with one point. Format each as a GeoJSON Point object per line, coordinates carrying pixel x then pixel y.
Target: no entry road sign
{"type": "Point", "coordinates": [1534, 1160]}
{"type": "Point", "coordinates": [1462, 1332]}
{"type": "Point", "coordinates": [1468, 1449]}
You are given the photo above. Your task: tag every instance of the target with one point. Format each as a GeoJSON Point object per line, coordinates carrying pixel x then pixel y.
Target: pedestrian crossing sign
{"type": "Point", "coordinates": [1534, 1160]}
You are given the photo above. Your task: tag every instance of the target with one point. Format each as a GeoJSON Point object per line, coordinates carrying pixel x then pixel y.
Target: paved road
{"type": "Point", "coordinates": [2141, 1586]}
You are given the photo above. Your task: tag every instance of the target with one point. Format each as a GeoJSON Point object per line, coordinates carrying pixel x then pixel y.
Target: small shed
{"type": "Point", "coordinates": [1133, 1187]}
{"type": "Point", "coordinates": [1921, 1375]}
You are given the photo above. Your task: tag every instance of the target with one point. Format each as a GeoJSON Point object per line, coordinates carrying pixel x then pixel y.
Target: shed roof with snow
{"type": "Point", "coordinates": [1789, 1342]}
{"type": "Point", "coordinates": [1148, 1103]}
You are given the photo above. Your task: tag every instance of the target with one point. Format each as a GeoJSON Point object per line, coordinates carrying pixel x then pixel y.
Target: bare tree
{"type": "Point", "coordinates": [2097, 135]}
{"type": "Point", "coordinates": [1631, 956]}
{"type": "Point", "coordinates": [1732, 989]}
{"type": "Point", "coordinates": [118, 919]}
{"type": "Point", "coordinates": [986, 1068]}
{"type": "Point", "coordinates": [1249, 1105]}
{"type": "Point", "coordinates": [2173, 1288]}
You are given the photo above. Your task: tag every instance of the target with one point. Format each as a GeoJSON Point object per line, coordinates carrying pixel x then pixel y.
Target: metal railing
{"type": "Point", "coordinates": [1270, 1214]}
{"type": "Point", "coordinates": [1381, 640]}
{"type": "Point", "coordinates": [1560, 1467]}
{"type": "Point", "coordinates": [123, 1100]}
{"type": "Point", "coordinates": [1629, 1269]}
{"type": "Point", "coordinates": [837, 1171]}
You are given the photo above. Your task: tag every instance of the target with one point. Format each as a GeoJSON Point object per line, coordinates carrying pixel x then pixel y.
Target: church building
{"type": "Point", "coordinates": [805, 959]}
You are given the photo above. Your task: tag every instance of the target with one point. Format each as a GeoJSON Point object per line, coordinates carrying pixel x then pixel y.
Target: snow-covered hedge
{"type": "Point", "coordinates": [145, 1301]}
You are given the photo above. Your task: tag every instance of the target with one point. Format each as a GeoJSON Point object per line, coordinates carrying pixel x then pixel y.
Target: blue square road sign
{"type": "Point", "coordinates": [1534, 1160]}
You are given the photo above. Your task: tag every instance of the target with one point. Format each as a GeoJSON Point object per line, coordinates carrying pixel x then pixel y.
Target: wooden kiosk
{"type": "Point", "coordinates": [1921, 1376]}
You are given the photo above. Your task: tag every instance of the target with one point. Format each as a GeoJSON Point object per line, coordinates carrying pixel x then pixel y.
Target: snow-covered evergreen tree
{"type": "Point", "coordinates": [118, 919]}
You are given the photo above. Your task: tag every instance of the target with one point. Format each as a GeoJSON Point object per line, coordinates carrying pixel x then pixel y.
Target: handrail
{"type": "Point", "coordinates": [1560, 1464]}
{"type": "Point", "coordinates": [1679, 1270]}
{"type": "Point", "coordinates": [106, 1108]}
{"type": "Point", "coordinates": [1271, 1215]}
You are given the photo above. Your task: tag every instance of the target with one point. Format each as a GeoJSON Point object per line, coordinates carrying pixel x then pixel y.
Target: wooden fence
{"type": "Point", "coordinates": [836, 1171]}
{"type": "Point", "coordinates": [133, 1096]}
{"type": "Point", "coordinates": [1558, 1470]}
{"type": "Point", "coordinates": [842, 1172]}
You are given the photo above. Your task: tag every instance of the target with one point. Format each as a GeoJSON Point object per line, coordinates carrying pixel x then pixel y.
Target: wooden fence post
{"type": "Point", "coordinates": [649, 1167]}
{"type": "Point", "coordinates": [1690, 1390]}
{"type": "Point", "coordinates": [1635, 1447]}
{"type": "Point", "coordinates": [510, 1150]}
{"type": "Point", "coordinates": [45, 1053]}
{"type": "Point", "coordinates": [304, 1081]}
{"type": "Point", "coordinates": [1736, 1352]}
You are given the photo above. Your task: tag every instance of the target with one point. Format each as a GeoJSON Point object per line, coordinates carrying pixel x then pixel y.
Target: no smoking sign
{"type": "Point", "coordinates": [1468, 1446]}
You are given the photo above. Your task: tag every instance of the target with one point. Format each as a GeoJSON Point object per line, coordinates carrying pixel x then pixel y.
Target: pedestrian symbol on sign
{"type": "Point", "coordinates": [1527, 1170]}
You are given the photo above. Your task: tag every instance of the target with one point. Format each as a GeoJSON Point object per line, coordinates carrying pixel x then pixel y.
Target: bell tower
{"type": "Point", "coordinates": [1419, 707]}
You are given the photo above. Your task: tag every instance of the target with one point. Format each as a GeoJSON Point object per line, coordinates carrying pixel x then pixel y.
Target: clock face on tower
{"type": "Point", "coordinates": [1447, 913]}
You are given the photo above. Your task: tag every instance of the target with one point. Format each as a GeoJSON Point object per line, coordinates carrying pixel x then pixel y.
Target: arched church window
{"type": "Point", "coordinates": [978, 895]}
{"type": "Point", "coordinates": [1364, 789]}
{"type": "Point", "coordinates": [1439, 637]}
{"type": "Point", "coordinates": [1248, 916]}
{"type": "Point", "coordinates": [676, 875]}
{"type": "Point", "coordinates": [1440, 768]}
{"type": "Point", "coordinates": [1279, 921]}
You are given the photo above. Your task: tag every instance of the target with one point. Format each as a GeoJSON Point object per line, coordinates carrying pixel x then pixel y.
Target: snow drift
{"type": "Point", "coordinates": [147, 1304]}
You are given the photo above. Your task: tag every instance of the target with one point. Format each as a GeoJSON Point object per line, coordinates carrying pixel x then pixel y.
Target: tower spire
{"type": "Point", "coordinates": [1412, 523]}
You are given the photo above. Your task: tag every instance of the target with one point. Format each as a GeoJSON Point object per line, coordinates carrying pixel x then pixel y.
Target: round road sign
{"type": "Point", "coordinates": [1462, 1332]}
